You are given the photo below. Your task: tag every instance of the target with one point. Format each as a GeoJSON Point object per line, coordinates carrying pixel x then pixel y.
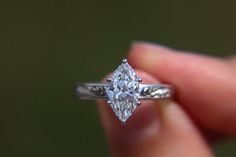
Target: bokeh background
{"type": "Point", "coordinates": [46, 46]}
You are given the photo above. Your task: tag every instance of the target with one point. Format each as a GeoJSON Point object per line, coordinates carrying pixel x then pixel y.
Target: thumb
{"type": "Point", "coordinates": [156, 129]}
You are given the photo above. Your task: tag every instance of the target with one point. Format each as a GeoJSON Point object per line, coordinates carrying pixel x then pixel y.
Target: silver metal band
{"type": "Point", "coordinates": [93, 91]}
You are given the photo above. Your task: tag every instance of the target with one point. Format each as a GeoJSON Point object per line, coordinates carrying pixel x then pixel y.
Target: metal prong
{"type": "Point", "coordinates": [124, 60]}
{"type": "Point", "coordinates": [123, 123]}
{"type": "Point", "coordinates": [108, 102]}
{"type": "Point", "coordinates": [139, 103]}
{"type": "Point", "coordinates": [109, 79]}
{"type": "Point", "coordinates": [139, 79]}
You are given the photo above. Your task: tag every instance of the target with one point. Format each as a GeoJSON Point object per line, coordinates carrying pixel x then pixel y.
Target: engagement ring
{"type": "Point", "coordinates": [123, 91]}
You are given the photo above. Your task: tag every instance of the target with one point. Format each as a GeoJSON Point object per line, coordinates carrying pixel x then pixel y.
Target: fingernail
{"type": "Point", "coordinates": [150, 46]}
{"type": "Point", "coordinates": [147, 56]}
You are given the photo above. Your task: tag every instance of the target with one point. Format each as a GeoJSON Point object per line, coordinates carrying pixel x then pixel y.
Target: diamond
{"type": "Point", "coordinates": [123, 91]}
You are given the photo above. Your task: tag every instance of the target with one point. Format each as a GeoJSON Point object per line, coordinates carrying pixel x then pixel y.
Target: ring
{"type": "Point", "coordinates": [123, 91]}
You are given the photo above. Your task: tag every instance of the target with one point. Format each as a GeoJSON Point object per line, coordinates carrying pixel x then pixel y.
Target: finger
{"type": "Point", "coordinates": [154, 129]}
{"type": "Point", "coordinates": [206, 86]}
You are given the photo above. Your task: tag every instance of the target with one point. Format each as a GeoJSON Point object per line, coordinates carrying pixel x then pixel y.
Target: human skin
{"type": "Point", "coordinates": [205, 101]}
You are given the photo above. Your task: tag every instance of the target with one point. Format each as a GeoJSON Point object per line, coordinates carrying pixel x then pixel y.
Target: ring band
{"type": "Point", "coordinates": [123, 91]}
{"type": "Point", "coordinates": [93, 91]}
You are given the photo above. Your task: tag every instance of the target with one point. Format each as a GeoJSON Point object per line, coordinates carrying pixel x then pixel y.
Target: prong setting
{"type": "Point", "coordinates": [109, 79]}
{"type": "Point", "coordinates": [139, 79]}
{"type": "Point", "coordinates": [124, 60]}
{"type": "Point", "coordinates": [138, 103]}
{"type": "Point", "coordinates": [123, 123]}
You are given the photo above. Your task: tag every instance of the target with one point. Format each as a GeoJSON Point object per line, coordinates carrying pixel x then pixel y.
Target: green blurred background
{"type": "Point", "coordinates": [46, 46]}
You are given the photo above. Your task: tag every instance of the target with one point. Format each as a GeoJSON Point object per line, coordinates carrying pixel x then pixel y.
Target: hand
{"type": "Point", "coordinates": [204, 107]}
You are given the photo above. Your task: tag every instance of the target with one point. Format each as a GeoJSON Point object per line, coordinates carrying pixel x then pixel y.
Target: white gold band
{"type": "Point", "coordinates": [93, 91]}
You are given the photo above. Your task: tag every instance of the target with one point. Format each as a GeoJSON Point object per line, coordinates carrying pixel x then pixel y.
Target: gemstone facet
{"type": "Point", "coordinates": [123, 91]}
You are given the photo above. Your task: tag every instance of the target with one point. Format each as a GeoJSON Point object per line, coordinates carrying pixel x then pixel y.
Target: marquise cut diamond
{"type": "Point", "coordinates": [123, 91]}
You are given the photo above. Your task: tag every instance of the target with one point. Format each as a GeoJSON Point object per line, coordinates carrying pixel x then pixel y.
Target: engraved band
{"type": "Point", "coordinates": [93, 91]}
